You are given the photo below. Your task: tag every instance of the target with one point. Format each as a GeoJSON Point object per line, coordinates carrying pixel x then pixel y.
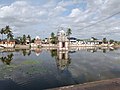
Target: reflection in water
{"type": "Point", "coordinates": [37, 51]}
{"type": "Point", "coordinates": [53, 52]}
{"type": "Point", "coordinates": [26, 52]}
{"type": "Point", "coordinates": [92, 49]}
{"type": "Point", "coordinates": [7, 59]}
{"type": "Point", "coordinates": [62, 58]}
{"type": "Point", "coordinates": [45, 71]}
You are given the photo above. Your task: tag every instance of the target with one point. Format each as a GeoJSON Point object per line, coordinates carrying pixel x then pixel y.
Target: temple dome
{"type": "Point", "coordinates": [62, 32]}
{"type": "Point", "coordinates": [37, 37]}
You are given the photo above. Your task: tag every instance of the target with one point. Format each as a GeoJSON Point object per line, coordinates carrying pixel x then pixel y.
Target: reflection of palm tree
{"type": "Point", "coordinates": [7, 59]}
{"type": "Point", "coordinates": [53, 52]}
{"type": "Point", "coordinates": [24, 52]}
{"type": "Point", "coordinates": [10, 56]}
{"type": "Point", "coordinates": [3, 59]}
{"type": "Point", "coordinates": [29, 53]}
{"type": "Point", "coordinates": [104, 50]}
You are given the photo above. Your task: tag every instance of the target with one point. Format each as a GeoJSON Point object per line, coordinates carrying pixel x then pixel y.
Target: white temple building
{"type": "Point", "coordinates": [63, 42]}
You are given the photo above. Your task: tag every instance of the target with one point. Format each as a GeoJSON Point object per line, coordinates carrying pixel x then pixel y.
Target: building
{"type": "Point", "coordinates": [27, 41]}
{"type": "Point", "coordinates": [72, 40]}
{"type": "Point", "coordinates": [7, 43]}
{"type": "Point", "coordinates": [63, 42]}
{"type": "Point", "coordinates": [37, 42]}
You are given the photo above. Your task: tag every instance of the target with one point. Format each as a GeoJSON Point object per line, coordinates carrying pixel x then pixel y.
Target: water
{"type": "Point", "coordinates": [42, 69]}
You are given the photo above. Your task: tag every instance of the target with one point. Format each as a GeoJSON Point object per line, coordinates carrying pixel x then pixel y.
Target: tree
{"type": "Point", "coordinates": [7, 30]}
{"type": "Point", "coordinates": [24, 39]}
{"type": "Point", "coordinates": [94, 38]}
{"type": "Point", "coordinates": [69, 32]}
{"type": "Point", "coordinates": [2, 32]}
{"type": "Point", "coordinates": [9, 36]}
{"type": "Point", "coordinates": [111, 41]}
{"type": "Point", "coordinates": [104, 40]}
{"type": "Point", "coordinates": [29, 37]}
{"type": "Point", "coordinates": [53, 38]}
{"type": "Point", "coordinates": [52, 35]}
{"type": "Point", "coordinates": [33, 40]}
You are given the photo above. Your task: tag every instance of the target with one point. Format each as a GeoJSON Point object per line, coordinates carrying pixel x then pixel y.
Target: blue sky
{"type": "Point", "coordinates": [41, 17]}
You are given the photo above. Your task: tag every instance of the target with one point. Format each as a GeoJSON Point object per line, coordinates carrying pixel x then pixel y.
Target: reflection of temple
{"type": "Point", "coordinates": [62, 60]}
{"type": "Point", "coordinates": [37, 51]}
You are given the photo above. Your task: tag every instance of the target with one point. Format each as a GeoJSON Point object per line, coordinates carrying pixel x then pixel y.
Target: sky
{"type": "Point", "coordinates": [86, 18]}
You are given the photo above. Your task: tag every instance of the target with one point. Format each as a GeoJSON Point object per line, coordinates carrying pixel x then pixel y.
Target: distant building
{"type": "Point", "coordinates": [27, 41]}
{"type": "Point", "coordinates": [63, 42]}
{"type": "Point", "coordinates": [72, 40]}
{"type": "Point", "coordinates": [7, 43]}
{"type": "Point", "coordinates": [37, 42]}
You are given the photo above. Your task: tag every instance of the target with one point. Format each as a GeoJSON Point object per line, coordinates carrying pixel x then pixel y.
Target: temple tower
{"type": "Point", "coordinates": [63, 42]}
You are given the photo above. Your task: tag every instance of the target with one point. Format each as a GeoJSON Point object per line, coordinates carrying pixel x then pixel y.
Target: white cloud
{"type": "Point", "coordinates": [25, 16]}
{"type": "Point", "coordinates": [75, 13]}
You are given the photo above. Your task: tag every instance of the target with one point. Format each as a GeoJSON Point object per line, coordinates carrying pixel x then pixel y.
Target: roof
{"type": "Point", "coordinates": [8, 40]}
{"type": "Point", "coordinates": [72, 38]}
{"type": "Point", "coordinates": [37, 37]}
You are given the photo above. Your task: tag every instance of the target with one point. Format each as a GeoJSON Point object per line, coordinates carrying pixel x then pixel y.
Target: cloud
{"type": "Point", "coordinates": [75, 13]}
{"type": "Point", "coordinates": [26, 16]}
{"type": "Point", "coordinates": [20, 13]}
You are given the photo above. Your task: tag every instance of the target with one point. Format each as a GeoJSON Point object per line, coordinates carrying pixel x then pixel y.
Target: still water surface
{"type": "Point", "coordinates": [42, 69]}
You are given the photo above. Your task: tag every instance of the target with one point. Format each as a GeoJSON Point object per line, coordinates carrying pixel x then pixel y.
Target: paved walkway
{"type": "Point", "coordinates": [113, 84]}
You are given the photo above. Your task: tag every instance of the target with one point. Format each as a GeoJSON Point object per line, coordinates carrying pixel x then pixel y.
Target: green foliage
{"type": "Point", "coordinates": [29, 37]}
{"type": "Point", "coordinates": [69, 32]}
{"type": "Point", "coordinates": [7, 31]}
{"type": "Point", "coordinates": [53, 38]}
{"type": "Point", "coordinates": [24, 39]}
{"type": "Point", "coordinates": [7, 59]}
{"type": "Point", "coordinates": [2, 32]}
{"type": "Point", "coordinates": [94, 38]}
{"type": "Point", "coordinates": [111, 41]}
{"type": "Point", "coordinates": [53, 52]}
{"type": "Point", "coordinates": [52, 35]}
{"type": "Point", "coordinates": [104, 40]}
{"type": "Point", "coordinates": [33, 40]}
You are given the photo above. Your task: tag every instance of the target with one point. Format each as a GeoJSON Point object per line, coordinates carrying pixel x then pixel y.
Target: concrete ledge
{"type": "Point", "coordinates": [112, 84]}
{"type": "Point", "coordinates": [22, 47]}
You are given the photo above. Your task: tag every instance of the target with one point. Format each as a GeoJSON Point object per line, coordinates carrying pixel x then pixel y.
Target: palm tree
{"type": "Point", "coordinates": [24, 39]}
{"type": "Point", "coordinates": [104, 40]}
{"type": "Point", "coordinates": [7, 30]}
{"type": "Point", "coordinates": [69, 32]}
{"type": "Point", "coordinates": [52, 35]}
{"type": "Point", "coordinates": [2, 32]}
{"type": "Point", "coordinates": [9, 36]}
{"type": "Point", "coordinates": [29, 37]}
{"type": "Point", "coordinates": [53, 38]}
